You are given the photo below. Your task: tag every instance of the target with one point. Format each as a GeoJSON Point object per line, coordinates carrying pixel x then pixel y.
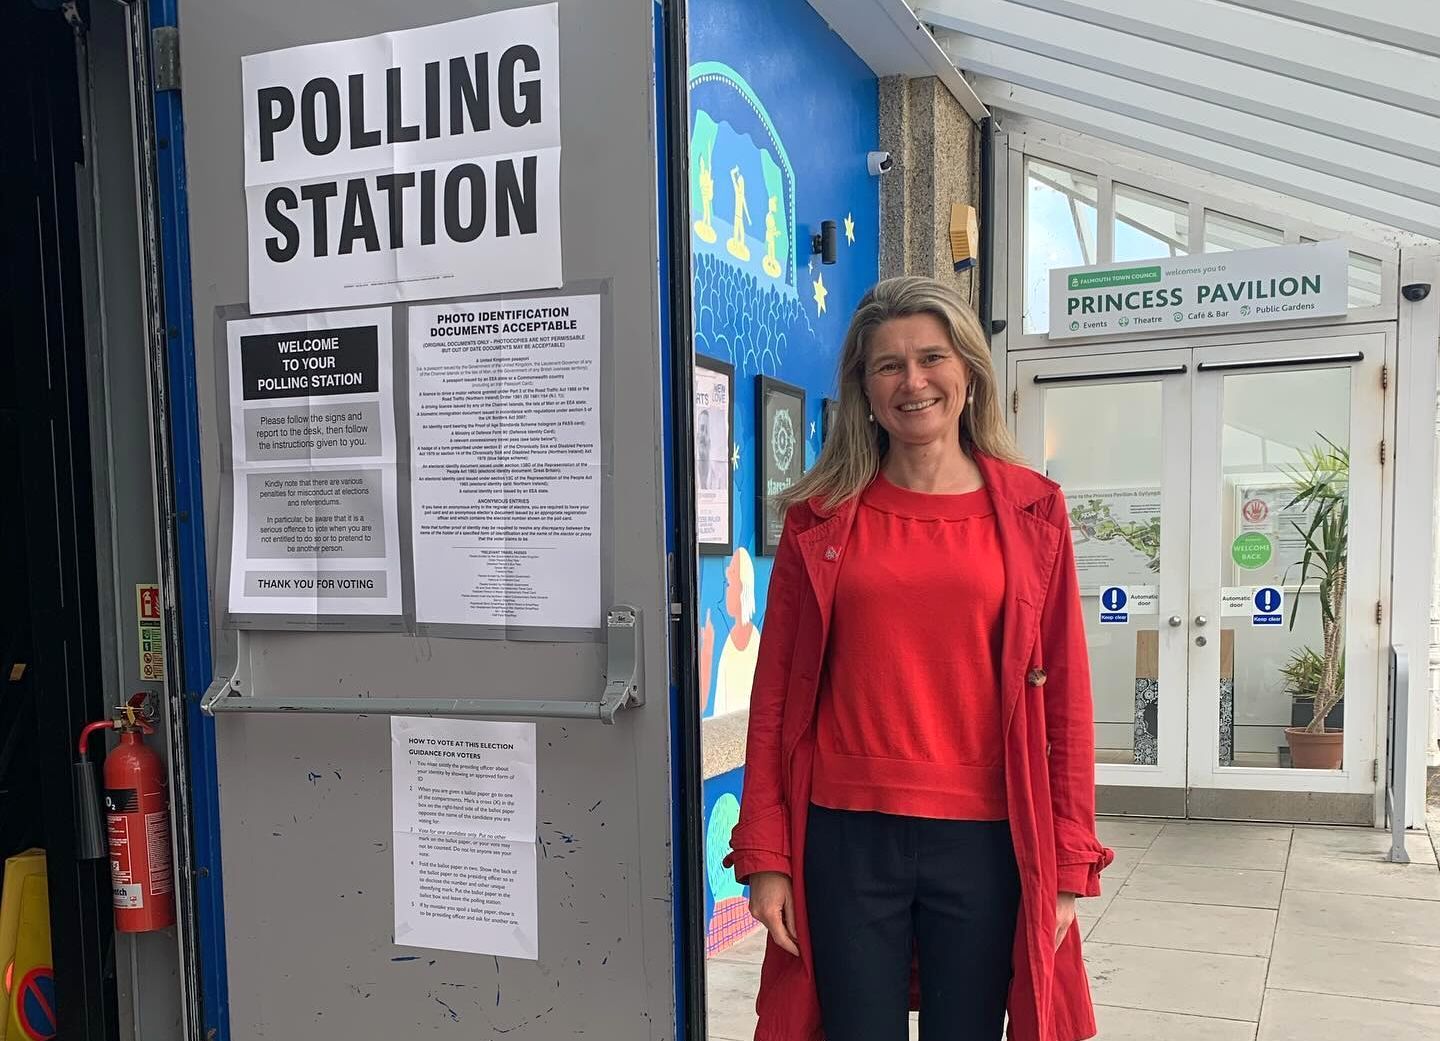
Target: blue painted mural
{"type": "Point", "coordinates": [782, 114]}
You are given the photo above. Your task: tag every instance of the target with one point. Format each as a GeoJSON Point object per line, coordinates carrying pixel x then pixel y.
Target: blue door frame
{"type": "Point", "coordinates": [193, 593]}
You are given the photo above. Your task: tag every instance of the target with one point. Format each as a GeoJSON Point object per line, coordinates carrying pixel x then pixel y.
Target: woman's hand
{"type": "Point", "coordinates": [772, 904]}
{"type": "Point", "coordinates": [1064, 915]}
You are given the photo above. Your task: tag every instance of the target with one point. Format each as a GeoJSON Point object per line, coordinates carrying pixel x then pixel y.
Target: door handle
{"type": "Point", "coordinates": [1201, 620]}
{"type": "Point", "coordinates": [1176, 621]}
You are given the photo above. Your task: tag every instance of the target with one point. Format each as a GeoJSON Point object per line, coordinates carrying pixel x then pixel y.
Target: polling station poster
{"type": "Point", "coordinates": [411, 165]}
{"type": "Point", "coordinates": [312, 429]}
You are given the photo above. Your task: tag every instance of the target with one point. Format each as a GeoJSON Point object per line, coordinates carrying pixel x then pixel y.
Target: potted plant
{"type": "Point", "coordinates": [1302, 680]}
{"type": "Point", "coordinates": [1322, 488]}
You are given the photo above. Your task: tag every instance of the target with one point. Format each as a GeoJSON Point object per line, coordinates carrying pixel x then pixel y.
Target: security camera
{"type": "Point", "coordinates": [1416, 291]}
{"type": "Point", "coordinates": [878, 163]}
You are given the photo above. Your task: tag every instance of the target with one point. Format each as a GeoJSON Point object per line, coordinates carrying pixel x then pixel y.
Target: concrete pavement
{"type": "Point", "coordinates": [1232, 932]}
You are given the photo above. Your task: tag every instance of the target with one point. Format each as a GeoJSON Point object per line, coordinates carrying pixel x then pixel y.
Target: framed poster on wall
{"type": "Point", "coordinates": [779, 430]}
{"type": "Point", "coordinates": [714, 437]}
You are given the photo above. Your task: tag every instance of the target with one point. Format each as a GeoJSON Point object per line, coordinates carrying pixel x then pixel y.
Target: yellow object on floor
{"type": "Point", "coordinates": [27, 982]}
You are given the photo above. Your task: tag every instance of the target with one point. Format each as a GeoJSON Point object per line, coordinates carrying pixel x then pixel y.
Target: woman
{"type": "Point", "coordinates": [919, 780]}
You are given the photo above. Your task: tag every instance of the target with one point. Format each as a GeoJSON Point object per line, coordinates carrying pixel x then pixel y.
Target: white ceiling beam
{"type": "Point", "coordinates": [1203, 119]}
{"type": "Point", "coordinates": [1278, 176]}
{"type": "Point", "coordinates": [1260, 92]}
{"type": "Point", "coordinates": [1412, 24]}
{"type": "Point", "coordinates": [888, 38]}
{"type": "Point", "coordinates": [1372, 70]}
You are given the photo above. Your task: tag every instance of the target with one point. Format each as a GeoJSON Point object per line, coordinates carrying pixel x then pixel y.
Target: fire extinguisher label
{"type": "Point", "coordinates": [128, 896]}
{"type": "Point", "coordinates": [157, 840]}
{"type": "Point", "coordinates": [122, 800]}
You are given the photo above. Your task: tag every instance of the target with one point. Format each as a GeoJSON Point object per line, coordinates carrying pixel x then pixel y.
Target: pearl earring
{"type": "Point", "coordinates": [870, 417]}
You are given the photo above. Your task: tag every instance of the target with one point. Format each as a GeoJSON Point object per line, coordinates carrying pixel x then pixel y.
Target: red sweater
{"type": "Point", "coordinates": [909, 715]}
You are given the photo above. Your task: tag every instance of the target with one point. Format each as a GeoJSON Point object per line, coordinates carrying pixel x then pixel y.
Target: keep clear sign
{"type": "Point", "coordinates": [406, 166]}
{"type": "Point", "coordinates": [505, 461]}
{"type": "Point", "coordinates": [464, 829]}
{"type": "Point", "coordinates": [312, 433]}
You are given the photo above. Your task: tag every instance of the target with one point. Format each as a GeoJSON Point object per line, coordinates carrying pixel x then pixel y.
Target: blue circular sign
{"type": "Point", "coordinates": [1267, 599]}
{"type": "Point", "coordinates": [35, 1003]}
{"type": "Point", "coordinates": [1114, 599]}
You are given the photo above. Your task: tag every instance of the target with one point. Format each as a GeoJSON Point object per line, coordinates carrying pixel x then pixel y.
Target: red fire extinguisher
{"type": "Point", "coordinates": [137, 817]}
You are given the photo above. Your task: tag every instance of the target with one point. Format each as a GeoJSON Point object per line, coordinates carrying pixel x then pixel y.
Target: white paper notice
{"type": "Point", "coordinates": [505, 461]}
{"type": "Point", "coordinates": [312, 431]}
{"type": "Point", "coordinates": [412, 165]}
{"type": "Point", "coordinates": [464, 829]}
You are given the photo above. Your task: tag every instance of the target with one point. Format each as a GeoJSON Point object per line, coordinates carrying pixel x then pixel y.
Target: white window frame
{"type": "Point", "coordinates": [1009, 298]}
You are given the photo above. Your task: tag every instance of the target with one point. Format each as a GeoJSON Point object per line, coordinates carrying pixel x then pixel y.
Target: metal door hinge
{"type": "Point", "coordinates": [1374, 770]}
{"type": "Point", "coordinates": [1015, 401]}
{"type": "Point", "coordinates": [1385, 376]}
{"type": "Point", "coordinates": [1379, 611]}
{"type": "Point", "coordinates": [1382, 451]}
{"type": "Point", "coordinates": [165, 57]}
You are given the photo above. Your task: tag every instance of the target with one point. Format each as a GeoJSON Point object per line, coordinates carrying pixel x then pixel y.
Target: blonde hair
{"type": "Point", "coordinates": [855, 446]}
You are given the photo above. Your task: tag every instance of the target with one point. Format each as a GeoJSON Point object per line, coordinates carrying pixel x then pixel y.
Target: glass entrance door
{"type": "Point", "coordinates": [1212, 493]}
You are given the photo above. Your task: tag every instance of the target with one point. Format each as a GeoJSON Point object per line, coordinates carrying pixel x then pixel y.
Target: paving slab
{"type": "Point", "coordinates": [1356, 968]}
{"type": "Point", "coordinates": [1294, 1016]}
{"type": "Point", "coordinates": [1216, 985]}
{"type": "Point", "coordinates": [1234, 887]}
{"type": "Point", "coordinates": [1216, 847]}
{"type": "Point", "coordinates": [730, 989]}
{"type": "Point", "coordinates": [1384, 919]}
{"type": "Point", "coordinates": [1133, 1024]}
{"type": "Point", "coordinates": [1224, 829]}
{"type": "Point", "coordinates": [1366, 877]}
{"type": "Point", "coordinates": [1128, 832]}
{"type": "Point", "coordinates": [1359, 844]}
{"type": "Point", "coordinates": [1187, 927]}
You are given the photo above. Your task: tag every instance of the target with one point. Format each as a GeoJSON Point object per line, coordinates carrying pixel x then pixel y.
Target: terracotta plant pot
{"type": "Point", "coordinates": [1315, 751]}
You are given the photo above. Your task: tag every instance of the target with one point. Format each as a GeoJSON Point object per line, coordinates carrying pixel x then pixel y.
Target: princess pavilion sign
{"type": "Point", "coordinates": [1243, 287]}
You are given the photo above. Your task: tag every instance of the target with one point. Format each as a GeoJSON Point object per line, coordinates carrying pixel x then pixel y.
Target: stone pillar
{"type": "Point", "coordinates": [935, 146]}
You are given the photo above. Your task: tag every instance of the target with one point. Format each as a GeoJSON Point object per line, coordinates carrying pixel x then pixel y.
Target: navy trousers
{"type": "Point", "coordinates": [881, 888]}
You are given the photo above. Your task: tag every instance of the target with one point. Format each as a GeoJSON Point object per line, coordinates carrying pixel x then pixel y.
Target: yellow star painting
{"type": "Point", "coordinates": [820, 293]}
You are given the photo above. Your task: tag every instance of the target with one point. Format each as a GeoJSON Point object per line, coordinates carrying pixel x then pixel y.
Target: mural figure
{"type": "Point", "coordinates": [772, 235]}
{"type": "Point", "coordinates": [742, 647]}
{"type": "Point", "coordinates": [737, 247]}
{"type": "Point", "coordinates": [704, 230]}
{"type": "Point", "coordinates": [730, 918]}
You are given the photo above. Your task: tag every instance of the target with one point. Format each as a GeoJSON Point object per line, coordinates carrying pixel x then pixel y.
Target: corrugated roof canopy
{"type": "Point", "coordinates": [1326, 100]}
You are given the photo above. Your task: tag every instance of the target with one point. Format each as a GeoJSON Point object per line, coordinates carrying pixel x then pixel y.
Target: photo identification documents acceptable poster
{"type": "Point", "coordinates": [312, 434]}
{"type": "Point", "coordinates": [406, 166]}
{"type": "Point", "coordinates": [464, 829]}
{"type": "Point", "coordinates": [505, 461]}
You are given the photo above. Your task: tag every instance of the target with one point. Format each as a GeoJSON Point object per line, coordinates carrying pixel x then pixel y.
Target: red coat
{"type": "Point", "coordinates": [1049, 750]}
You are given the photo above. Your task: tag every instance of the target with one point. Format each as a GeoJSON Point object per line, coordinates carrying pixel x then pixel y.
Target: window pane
{"type": "Point", "coordinates": [1224, 232]}
{"type": "Point", "coordinates": [1285, 507]}
{"type": "Point", "coordinates": [1364, 281]}
{"type": "Point", "coordinates": [1103, 445]}
{"type": "Point", "coordinates": [1060, 231]}
{"type": "Point", "coordinates": [1149, 225]}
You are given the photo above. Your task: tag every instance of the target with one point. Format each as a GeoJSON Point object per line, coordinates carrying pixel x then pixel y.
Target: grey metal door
{"type": "Point", "coordinates": [305, 796]}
